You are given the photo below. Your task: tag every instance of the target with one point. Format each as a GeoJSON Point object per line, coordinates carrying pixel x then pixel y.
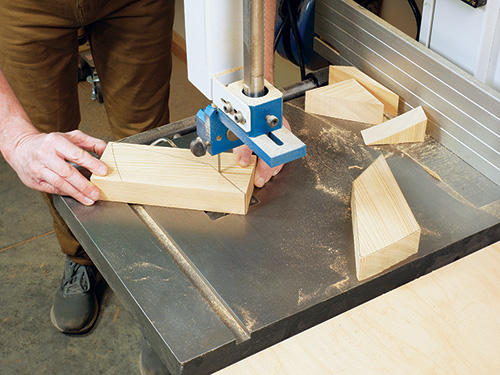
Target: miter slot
{"type": "Point", "coordinates": [206, 290]}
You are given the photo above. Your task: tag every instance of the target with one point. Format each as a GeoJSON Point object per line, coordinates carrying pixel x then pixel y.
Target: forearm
{"type": "Point", "coordinates": [14, 122]}
{"type": "Point", "coordinates": [269, 24]}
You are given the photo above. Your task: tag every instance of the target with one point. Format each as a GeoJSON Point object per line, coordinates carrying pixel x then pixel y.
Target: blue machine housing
{"type": "Point", "coordinates": [286, 45]}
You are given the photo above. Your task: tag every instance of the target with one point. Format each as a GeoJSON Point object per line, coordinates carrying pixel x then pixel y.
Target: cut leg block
{"type": "Point", "coordinates": [408, 127]}
{"type": "Point", "coordinates": [389, 99]}
{"type": "Point", "coordinates": [174, 177]}
{"type": "Point", "coordinates": [345, 100]}
{"type": "Point", "coordinates": [385, 230]}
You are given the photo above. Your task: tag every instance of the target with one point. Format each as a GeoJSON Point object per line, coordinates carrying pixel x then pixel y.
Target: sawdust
{"type": "Point", "coordinates": [339, 267]}
{"type": "Point", "coordinates": [305, 297]}
{"type": "Point", "coordinates": [429, 232]}
{"type": "Point", "coordinates": [492, 208]}
{"type": "Point", "coordinates": [337, 287]}
{"type": "Point", "coordinates": [431, 172]}
{"type": "Point", "coordinates": [248, 320]}
{"type": "Point", "coordinates": [141, 279]}
{"type": "Point", "coordinates": [142, 265]}
{"type": "Point", "coordinates": [333, 158]}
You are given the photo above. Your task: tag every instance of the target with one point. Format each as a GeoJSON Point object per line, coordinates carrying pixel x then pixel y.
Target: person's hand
{"type": "Point", "coordinates": [263, 172]}
{"type": "Point", "coordinates": [40, 160]}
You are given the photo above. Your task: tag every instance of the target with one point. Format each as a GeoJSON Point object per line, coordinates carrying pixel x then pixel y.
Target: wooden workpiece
{"type": "Point", "coordinates": [389, 99]}
{"type": "Point", "coordinates": [385, 230]}
{"type": "Point", "coordinates": [174, 177]}
{"type": "Point", "coordinates": [345, 100]}
{"type": "Point", "coordinates": [445, 322]}
{"type": "Point", "coordinates": [408, 127]}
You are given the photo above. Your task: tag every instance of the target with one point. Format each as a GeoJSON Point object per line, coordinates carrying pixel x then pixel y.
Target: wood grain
{"type": "Point", "coordinates": [173, 177]}
{"type": "Point", "coordinates": [385, 230]}
{"type": "Point", "coordinates": [406, 128]}
{"type": "Point", "coordinates": [179, 46]}
{"type": "Point", "coordinates": [345, 100]}
{"type": "Point", "coordinates": [446, 322]}
{"type": "Point", "coordinates": [383, 94]}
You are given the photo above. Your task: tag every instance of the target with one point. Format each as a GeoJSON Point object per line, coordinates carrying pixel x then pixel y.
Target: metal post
{"type": "Point", "coordinates": [253, 47]}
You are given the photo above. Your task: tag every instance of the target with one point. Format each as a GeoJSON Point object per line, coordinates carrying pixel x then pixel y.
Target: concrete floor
{"type": "Point", "coordinates": [31, 266]}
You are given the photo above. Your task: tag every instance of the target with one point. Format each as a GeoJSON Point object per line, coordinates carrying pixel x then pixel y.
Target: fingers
{"type": "Point", "coordinates": [243, 155]}
{"type": "Point", "coordinates": [70, 181]}
{"type": "Point", "coordinates": [286, 124]}
{"type": "Point", "coordinates": [53, 183]}
{"type": "Point", "coordinates": [65, 178]}
{"type": "Point", "coordinates": [263, 173]}
{"type": "Point", "coordinates": [41, 163]}
{"type": "Point", "coordinates": [75, 154]}
{"type": "Point", "coordinates": [87, 142]}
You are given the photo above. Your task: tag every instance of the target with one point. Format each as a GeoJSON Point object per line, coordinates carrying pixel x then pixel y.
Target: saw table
{"type": "Point", "coordinates": [208, 289]}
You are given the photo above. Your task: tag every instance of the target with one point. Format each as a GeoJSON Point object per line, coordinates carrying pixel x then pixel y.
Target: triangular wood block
{"type": "Point", "coordinates": [345, 100]}
{"type": "Point", "coordinates": [385, 230]}
{"type": "Point", "coordinates": [408, 127]}
{"type": "Point", "coordinates": [174, 177]}
{"type": "Point", "coordinates": [389, 99]}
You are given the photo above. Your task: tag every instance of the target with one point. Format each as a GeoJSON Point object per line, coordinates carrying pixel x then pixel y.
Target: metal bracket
{"type": "Point", "coordinates": [218, 130]}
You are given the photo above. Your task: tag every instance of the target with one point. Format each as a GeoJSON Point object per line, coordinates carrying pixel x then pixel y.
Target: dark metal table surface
{"type": "Point", "coordinates": [208, 290]}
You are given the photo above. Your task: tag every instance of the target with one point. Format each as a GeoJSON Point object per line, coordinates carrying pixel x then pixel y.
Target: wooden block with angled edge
{"type": "Point", "coordinates": [382, 93]}
{"type": "Point", "coordinates": [385, 230]}
{"type": "Point", "coordinates": [345, 100]}
{"type": "Point", "coordinates": [408, 127]}
{"type": "Point", "coordinates": [174, 177]}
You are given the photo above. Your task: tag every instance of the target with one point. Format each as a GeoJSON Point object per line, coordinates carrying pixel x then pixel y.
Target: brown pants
{"type": "Point", "coordinates": [131, 47]}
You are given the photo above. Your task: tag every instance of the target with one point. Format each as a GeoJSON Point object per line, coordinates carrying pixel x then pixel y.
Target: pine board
{"type": "Point", "coordinates": [389, 99]}
{"type": "Point", "coordinates": [406, 128]}
{"type": "Point", "coordinates": [385, 230]}
{"type": "Point", "coordinates": [174, 177]}
{"type": "Point", "coordinates": [346, 100]}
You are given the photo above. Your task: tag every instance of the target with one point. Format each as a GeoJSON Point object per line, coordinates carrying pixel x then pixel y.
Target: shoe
{"type": "Point", "coordinates": [149, 362]}
{"type": "Point", "coordinates": [75, 307]}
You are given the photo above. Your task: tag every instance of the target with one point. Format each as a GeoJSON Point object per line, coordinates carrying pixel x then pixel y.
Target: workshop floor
{"type": "Point", "coordinates": [31, 266]}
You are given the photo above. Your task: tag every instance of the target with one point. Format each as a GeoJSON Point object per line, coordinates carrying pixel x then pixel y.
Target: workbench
{"type": "Point", "coordinates": [208, 290]}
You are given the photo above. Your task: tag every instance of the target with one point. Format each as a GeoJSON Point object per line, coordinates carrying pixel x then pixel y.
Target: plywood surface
{"type": "Point", "coordinates": [174, 177]}
{"type": "Point", "coordinates": [389, 99]}
{"type": "Point", "coordinates": [408, 127]}
{"type": "Point", "coordinates": [446, 322]}
{"type": "Point", "coordinates": [345, 100]}
{"type": "Point", "coordinates": [385, 230]}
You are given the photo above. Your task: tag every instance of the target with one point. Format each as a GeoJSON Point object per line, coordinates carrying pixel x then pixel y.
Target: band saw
{"type": "Point", "coordinates": [208, 290]}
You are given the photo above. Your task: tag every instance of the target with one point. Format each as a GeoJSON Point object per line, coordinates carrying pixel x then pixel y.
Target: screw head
{"type": "Point", "coordinates": [272, 121]}
{"type": "Point", "coordinates": [238, 117]}
{"type": "Point", "coordinates": [228, 108]}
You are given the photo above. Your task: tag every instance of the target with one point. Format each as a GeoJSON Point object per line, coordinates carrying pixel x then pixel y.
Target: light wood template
{"type": "Point", "coordinates": [389, 99]}
{"type": "Point", "coordinates": [345, 100]}
{"type": "Point", "coordinates": [385, 230]}
{"type": "Point", "coordinates": [406, 128]}
{"type": "Point", "coordinates": [174, 177]}
{"type": "Point", "coordinates": [445, 322]}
